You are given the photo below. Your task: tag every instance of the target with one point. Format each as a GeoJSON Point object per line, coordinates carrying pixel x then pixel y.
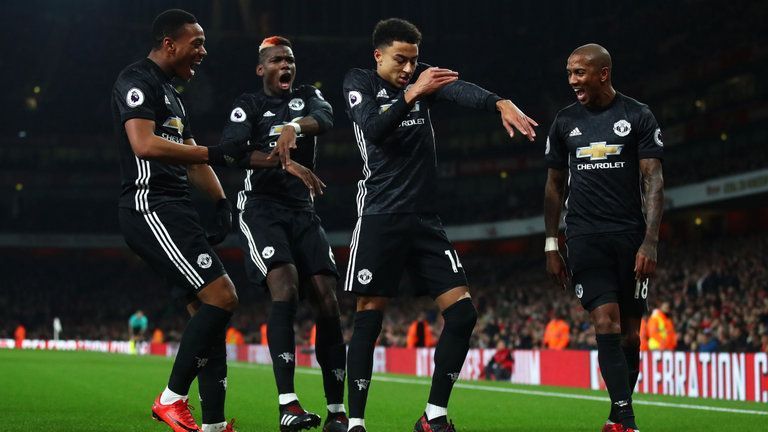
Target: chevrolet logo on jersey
{"type": "Point", "coordinates": [175, 123]}
{"type": "Point", "coordinates": [276, 130]}
{"type": "Point", "coordinates": [385, 107]}
{"type": "Point", "coordinates": [599, 151]}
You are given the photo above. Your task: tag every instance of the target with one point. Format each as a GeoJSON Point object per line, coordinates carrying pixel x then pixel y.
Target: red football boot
{"type": "Point", "coordinates": [610, 426]}
{"type": "Point", "coordinates": [175, 415]}
{"type": "Point", "coordinates": [230, 426]}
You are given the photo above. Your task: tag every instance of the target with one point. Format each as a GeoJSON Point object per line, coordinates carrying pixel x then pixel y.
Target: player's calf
{"type": "Point", "coordinates": [451, 350]}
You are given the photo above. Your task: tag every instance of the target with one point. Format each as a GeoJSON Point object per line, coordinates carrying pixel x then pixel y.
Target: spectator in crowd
{"type": "Point", "coordinates": [557, 332]}
{"type": "Point", "coordinates": [661, 332]}
{"type": "Point", "coordinates": [499, 367]}
{"type": "Point", "coordinates": [420, 333]}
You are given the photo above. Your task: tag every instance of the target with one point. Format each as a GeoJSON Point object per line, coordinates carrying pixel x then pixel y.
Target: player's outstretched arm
{"type": "Point", "coordinates": [554, 192]}
{"type": "Point", "coordinates": [147, 145]}
{"type": "Point", "coordinates": [653, 189]}
{"type": "Point", "coordinates": [471, 95]}
{"type": "Point", "coordinates": [513, 118]}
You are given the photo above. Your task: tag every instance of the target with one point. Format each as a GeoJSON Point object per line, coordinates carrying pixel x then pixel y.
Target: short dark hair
{"type": "Point", "coordinates": [168, 24]}
{"type": "Point", "coordinates": [390, 30]}
{"type": "Point", "coordinates": [269, 42]}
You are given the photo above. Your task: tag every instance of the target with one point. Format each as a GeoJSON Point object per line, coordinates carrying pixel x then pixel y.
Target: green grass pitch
{"type": "Point", "coordinates": [77, 391]}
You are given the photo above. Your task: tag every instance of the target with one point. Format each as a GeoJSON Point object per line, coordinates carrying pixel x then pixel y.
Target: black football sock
{"type": "Point", "coordinates": [360, 359]}
{"type": "Point", "coordinates": [282, 344]}
{"type": "Point", "coordinates": [451, 350]}
{"type": "Point", "coordinates": [613, 367]}
{"type": "Point", "coordinates": [212, 384]}
{"type": "Point", "coordinates": [332, 357]}
{"type": "Point", "coordinates": [632, 355]}
{"type": "Point", "coordinates": [206, 328]}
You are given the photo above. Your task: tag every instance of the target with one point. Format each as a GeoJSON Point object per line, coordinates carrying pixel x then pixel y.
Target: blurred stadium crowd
{"type": "Point", "coordinates": [717, 290]}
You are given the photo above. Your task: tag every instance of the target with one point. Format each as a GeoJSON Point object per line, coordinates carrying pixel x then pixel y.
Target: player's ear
{"type": "Point", "coordinates": [377, 54]}
{"type": "Point", "coordinates": [260, 70]}
{"type": "Point", "coordinates": [604, 74]}
{"type": "Point", "coordinates": [169, 45]}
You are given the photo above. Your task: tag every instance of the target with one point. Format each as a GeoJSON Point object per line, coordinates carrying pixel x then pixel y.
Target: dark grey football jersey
{"type": "Point", "coordinates": [397, 142]}
{"type": "Point", "coordinates": [602, 149]}
{"type": "Point", "coordinates": [142, 90]}
{"type": "Point", "coordinates": [259, 119]}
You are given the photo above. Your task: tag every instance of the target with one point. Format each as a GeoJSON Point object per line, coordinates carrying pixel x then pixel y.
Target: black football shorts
{"type": "Point", "coordinates": [384, 246]}
{"type": "Point", "coordinates": [172, 241]}
{"type": "Point", "coordinates": [602, 271]}
{"type": "Point", "coordinates": [271, 234]}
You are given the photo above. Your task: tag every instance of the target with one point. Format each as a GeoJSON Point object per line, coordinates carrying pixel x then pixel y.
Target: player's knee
{"type": "Point", "coordinates": [460, 318]}
{"type": "Point", "coordinates": [631, 340]}
{"type": "Point", "coordinates": [325, 302]}
{"type": "Point", "coordinates": [605, 325]}
{"type": "Point", "coordinates": [328, 307]}
{"type": "Point", "coordinates": [221, 293]}
{"type": "Point", "coordinates": [229, 301]}
{"type": "Point", "coordinates": [285, 292]}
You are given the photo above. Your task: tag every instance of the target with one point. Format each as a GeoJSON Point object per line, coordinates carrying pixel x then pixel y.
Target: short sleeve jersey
{"type": "Point", "coordinates": [602, 149]}
{"type": "Point", "coordinates": [259, 118]}
{"type": "Point", "coordinates": [144, 91]}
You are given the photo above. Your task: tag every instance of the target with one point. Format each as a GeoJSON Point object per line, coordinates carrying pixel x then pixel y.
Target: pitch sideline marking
{"type": "Point", "coordinates": [536, 392]}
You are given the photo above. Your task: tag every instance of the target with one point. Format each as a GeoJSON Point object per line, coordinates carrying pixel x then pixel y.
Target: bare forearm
{"type": "Point", "coordinates": [204, 179]}
{"type": "Point", "coordinates": [653, 187]}
{"type": "Point", "coordinates": [309, 126]}
{"type": "Point", "coordinates": [554, 192]}
{"type": "Point", "coordinates": [162, 150]}
{"type": "Point", "coordinates": [258, 159]}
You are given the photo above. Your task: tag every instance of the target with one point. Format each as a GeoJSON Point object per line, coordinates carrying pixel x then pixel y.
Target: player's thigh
{"type": "Point", "coordinates": [433, 261]}
{"type": "Point", "coordinates": [311, 247]}
{"type": "Point", "coordinates": [172, 241]}
{"type": "Point", "coordinates": [377, 255]}
{"type": "Point", "coordinates": [263, 233]}
{"type": "Point", "coordinates": [633, 293]}
{"type": "Point", "coordinates": [594, 275]}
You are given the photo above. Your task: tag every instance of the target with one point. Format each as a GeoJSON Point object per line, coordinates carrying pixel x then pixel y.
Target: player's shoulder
{"type": "Point", "coordinates": [247, 98]}
{"type": "Point", "coordinates": [632, 105]}
{"type": "Point", "coordinates": [358, 76]}
{"type": "Point", "coordinates": [570, 112]}
{"type": "Point", "coordinates": [138, 72]}
{"type": "Point", "coordinates": [307, 91]}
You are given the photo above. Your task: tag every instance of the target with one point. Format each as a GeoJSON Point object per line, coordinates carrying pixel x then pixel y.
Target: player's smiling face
{"type": "Point", "coordinates": [278, 69]}
{"type": "Point", "coordinates": [188, 51]}
{"type": "Point", "coordinates": [585, 78]}
{"type": "Point", "coordinates": [397, 63]}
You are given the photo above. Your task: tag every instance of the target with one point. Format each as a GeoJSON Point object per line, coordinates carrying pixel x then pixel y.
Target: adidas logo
{"type": "Point", "coordinates": [575, 132]}
{"type": "Point", "coordinates": [268, 114]}
{"type": "Point", "coordinates": [382, 94]}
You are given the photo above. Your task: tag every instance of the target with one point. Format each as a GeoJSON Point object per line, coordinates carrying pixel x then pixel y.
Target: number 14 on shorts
{"type": "Point", "coordinates": [455, 263]}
